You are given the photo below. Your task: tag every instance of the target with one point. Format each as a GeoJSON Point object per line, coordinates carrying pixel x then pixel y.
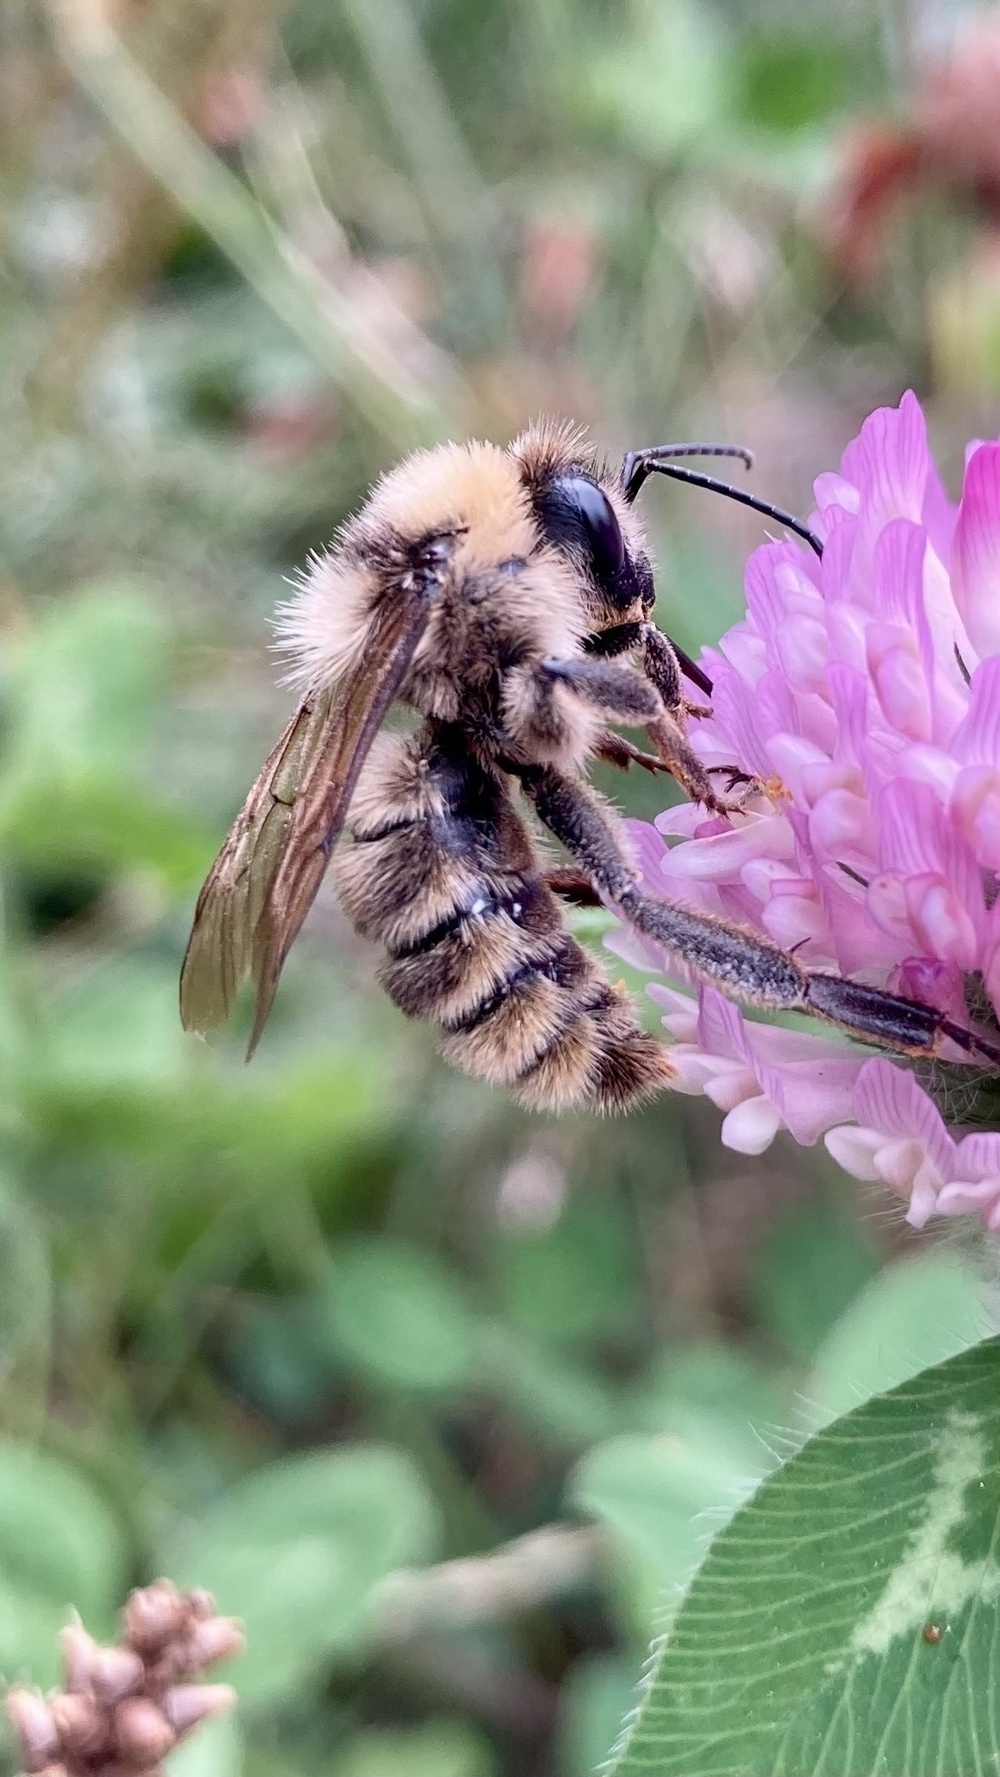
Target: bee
{"type": "Point", "coordinates": [506, 596]}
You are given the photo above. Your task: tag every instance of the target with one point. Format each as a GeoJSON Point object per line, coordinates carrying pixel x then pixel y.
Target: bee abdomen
{"type": "Point", "coordinates": [446, 879]}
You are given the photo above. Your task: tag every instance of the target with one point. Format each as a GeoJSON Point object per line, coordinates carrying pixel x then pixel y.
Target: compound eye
{"type": "Point", "coordinates": [576, 514]}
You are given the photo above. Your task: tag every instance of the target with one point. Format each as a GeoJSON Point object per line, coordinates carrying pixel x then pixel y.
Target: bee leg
{"type": "Point", "coordinates": [689, 667]}
{"type": "Point", "coordinates": [685, 766]}
{"type": "Point", "coordinates": [615, 750]}
{"type": "Point", "coordinates": [627, 696]}
{"type": "Point", "coordinates": [662, 669]}
{"type": "Point", "coordinates": [620, 638]}
{"type": "Point", "coordinates": [743, 965]}
{"type": "Point", "coordinates": [617, 691]}
{"type": "Point", "coordinates": [661, 661]}
{"type": "Point", "coordinates": [573, 886]}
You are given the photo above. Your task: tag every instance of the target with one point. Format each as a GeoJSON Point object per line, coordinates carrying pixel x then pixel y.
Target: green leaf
{"type": "Point", "coordinates": [846, 1620]}
{"type": "Point", "coordinates": [25, 1283]}
{"type": "Point", "coordinates": [693, 1385]}
{"type": "Point", "coordinates": [399, 1316]}
{"type": "Point", "coordinates": [912, 1315]}
{"type": "Point", "coordinates": [563, 1400]}
{"type": "Point", "coordinates": [82, 692]}
{"type": "Point", "coordinates": [117, 1025]}
{"type": "Point", "coordinates": [789, 83]}
{"type": "Point", "coordinates": [84, 821]}
{"type": "Point", "coordinates": [60, 1550]}
{"type": "Point", "coordinates": [295, 1552]}
{"type": "Point", "coordinates": [653, 1492]}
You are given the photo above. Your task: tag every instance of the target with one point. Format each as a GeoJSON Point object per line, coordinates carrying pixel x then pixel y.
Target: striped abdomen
{"type": "Point", "coordinates": [443, 875]}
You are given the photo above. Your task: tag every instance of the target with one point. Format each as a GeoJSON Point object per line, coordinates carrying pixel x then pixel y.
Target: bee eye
{"type": "Point", "coordinates": [576, 514]}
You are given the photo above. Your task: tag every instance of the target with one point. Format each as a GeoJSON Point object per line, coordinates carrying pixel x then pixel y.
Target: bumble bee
{"type": "Point", "coordinates": [506, 596]}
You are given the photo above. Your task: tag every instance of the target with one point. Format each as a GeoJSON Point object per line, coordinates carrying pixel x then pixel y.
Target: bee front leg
{"type": "Point", "coordinates": [621, 638]}
{"type": "Point", "coordinates": [662, 666]}
{"type": "Point", "coordinates": [742, 964]}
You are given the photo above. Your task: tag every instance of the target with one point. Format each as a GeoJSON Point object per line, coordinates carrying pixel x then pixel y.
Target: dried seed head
{"type": "Point", "coordinates": [142, 1734]}
{"type": "Point", "coordinates": [31, 1719]}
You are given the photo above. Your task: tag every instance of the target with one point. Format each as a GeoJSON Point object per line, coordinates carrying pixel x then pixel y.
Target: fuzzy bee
{"type": "Point", "coordinates": [506, 596]}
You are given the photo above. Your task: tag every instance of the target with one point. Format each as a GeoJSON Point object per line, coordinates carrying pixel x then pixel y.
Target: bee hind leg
{"type": "Point", "coordinates": [894, 1023]}
{"type": "Point", "coordinates": [743, 965]}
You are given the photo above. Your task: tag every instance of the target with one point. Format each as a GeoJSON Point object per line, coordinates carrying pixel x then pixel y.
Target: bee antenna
{"type": "Point", "coordinates": [662, 453]}
{"type": "Point", "coordinates": [639, 464]}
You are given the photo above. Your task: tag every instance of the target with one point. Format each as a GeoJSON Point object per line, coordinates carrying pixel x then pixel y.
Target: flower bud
{"type": "Point", "coordinates": [217, 1639]}
{"type": "Point", "coordinates": [184, 1705]}
{"type": "Point", "coordinates": [116, 1672]}
{"type": "Point", "coordinates": [80, 1722]}
{"type": "Point", "coordinates": [143, 1736]}
{"type": "Point", "coordinates": [78, 1653]}
{"type": "Point", "coordinates": [31, 1719]}
{"type": "Point", "coordinates": [154, 1615]}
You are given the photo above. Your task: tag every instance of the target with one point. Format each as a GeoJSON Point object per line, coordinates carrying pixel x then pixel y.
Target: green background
{"type": "Point", "coordinates": [301, 1331]}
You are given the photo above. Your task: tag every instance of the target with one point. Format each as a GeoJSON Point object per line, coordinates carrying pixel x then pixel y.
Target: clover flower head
{"type": "Point", "coordinates": [863, 692]}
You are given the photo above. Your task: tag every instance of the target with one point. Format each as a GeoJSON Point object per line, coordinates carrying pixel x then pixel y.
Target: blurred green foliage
{"type": "Point", "coordinates": [286, 1331]}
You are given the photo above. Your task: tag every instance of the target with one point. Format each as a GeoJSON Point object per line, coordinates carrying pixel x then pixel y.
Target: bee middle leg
{"type": "Point", "coordinates": [614, 749]}
{"type": "Point", "coordinates": [743, 965]}
{"type": "Point", "coordinates": [636, 697]}
{"type": "Point", "coordinates": [573, 886]}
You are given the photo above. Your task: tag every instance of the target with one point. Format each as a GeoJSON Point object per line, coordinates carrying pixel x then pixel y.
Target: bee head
{"type": "Point", "coordinates": [575, 514]}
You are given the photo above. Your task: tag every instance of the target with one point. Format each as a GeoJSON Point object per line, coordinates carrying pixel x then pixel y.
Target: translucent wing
{"type": "Point", "coordinates": [267, 874]}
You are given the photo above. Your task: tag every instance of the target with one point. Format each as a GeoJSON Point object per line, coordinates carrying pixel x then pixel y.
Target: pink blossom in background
{"type": "Point", "coordinates": [864, 691]}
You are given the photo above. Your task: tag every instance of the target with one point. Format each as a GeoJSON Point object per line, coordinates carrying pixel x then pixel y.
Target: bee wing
{"type": "Point", "coordinates": [267, 874]}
